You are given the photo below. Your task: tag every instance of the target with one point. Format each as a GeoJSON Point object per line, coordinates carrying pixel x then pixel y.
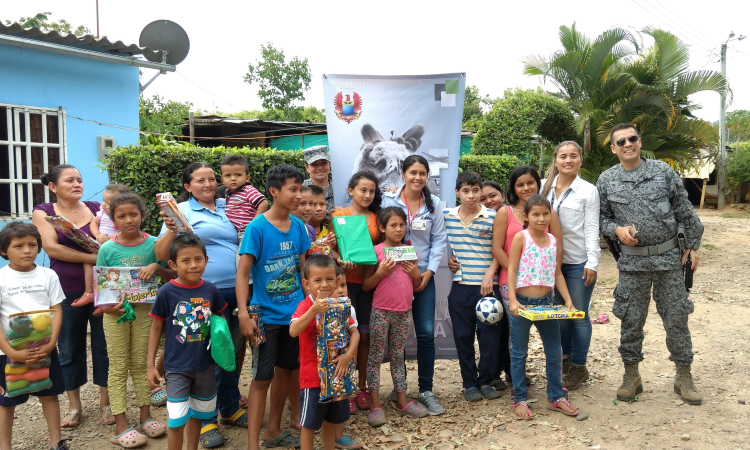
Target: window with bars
{"type": "Point", "coordinates": [32, 141]}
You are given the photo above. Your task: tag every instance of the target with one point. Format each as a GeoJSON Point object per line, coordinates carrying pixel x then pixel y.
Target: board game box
{"type": "Point", "coordinates": [403, 253]}
{"type": "Point", "coordinates": [537, 313]}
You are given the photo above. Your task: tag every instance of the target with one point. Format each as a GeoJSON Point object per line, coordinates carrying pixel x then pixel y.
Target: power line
{"type": "Point", "coordinates": [660, 19]}
{"type": "Point", "coordinates": [738, 51]}
{"type": "Point", "coordinates": [203, 89]}
{"type": "Point", "coordinates": [705, 38]}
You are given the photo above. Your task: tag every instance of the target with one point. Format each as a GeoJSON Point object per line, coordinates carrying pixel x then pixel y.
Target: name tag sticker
{"type": "Point", "coordinates": [419, 225]}
{"type": "Point", "coordinates": [341, 220]}
{"type": "Point", "coordinates": [659, 180]}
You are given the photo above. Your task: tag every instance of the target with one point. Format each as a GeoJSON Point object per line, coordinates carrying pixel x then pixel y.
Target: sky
{"type": "Point", "coordinates": [486, 40]}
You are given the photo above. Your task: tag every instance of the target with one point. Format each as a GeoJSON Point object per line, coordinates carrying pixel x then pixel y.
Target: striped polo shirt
{"type": "Point", "coordinates": [471, 243]}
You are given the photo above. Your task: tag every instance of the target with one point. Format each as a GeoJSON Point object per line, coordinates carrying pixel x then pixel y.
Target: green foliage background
{"type": "Point", "coordinates": [513, 120]}
{"type": "Point", "coordinates": [151, 169]}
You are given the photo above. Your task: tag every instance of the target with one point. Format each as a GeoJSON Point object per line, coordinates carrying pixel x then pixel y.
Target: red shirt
{"type": "Point", "coordinates": [242, 205]}
{"type": "Point", "coordinates": [308, 347]}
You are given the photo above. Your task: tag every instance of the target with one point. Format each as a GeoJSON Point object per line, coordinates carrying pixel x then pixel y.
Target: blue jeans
{"type": "Point", "coordinates": [227, 383]}
{"type": "Point", "coordinates": [549, 331]}
{"type": "Point", "coordinates": [575, 334]}
{"type": "Point", "coordinates": [71, 344]}
{"type": "Point", "coordinates": [423, 312]}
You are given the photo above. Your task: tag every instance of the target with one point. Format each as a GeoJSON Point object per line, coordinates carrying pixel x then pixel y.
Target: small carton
{"type": "Point", "coordinates": [398, 254]}
{"type": "Point", "coordinates": [167, 203]}
{"type": "Point", "coordinates": [549, 313]}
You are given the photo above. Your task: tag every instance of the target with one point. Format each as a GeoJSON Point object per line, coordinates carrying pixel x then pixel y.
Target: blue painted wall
{"type": "Point", "coordinates": [96, 90]}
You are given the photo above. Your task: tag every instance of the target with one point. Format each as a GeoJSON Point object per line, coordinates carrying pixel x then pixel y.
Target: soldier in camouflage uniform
{"type": "Point", "coordinates": [649, 195]}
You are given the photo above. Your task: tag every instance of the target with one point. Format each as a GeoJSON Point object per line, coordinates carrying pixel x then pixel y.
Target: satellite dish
{"type": "Point", "coordinates": [165, 35]}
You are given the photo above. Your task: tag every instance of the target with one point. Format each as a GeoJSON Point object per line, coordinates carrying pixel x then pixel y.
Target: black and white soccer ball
{"type": "Point", "coordinates": [489, 310]}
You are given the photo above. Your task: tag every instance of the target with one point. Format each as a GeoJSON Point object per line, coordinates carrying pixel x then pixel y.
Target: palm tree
{"type": "Point", "coordinates": [611, 81]}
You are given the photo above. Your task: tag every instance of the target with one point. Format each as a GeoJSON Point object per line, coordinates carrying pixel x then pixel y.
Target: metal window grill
{"type": "Point", "coordinates": [32, 141]}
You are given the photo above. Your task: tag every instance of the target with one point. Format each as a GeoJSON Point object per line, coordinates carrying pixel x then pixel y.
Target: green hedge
{"type": "Point", "coordinates": [149, 170]}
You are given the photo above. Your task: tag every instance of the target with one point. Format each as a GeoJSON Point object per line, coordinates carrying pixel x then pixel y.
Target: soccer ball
{"type": "Point", "coordinates": [489, 310]}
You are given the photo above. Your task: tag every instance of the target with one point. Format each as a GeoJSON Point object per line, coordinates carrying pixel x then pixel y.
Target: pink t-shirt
{"type": "Point", "coordinates": [513, 228]}
{"type": "Point", "coordinates": [395, 291]}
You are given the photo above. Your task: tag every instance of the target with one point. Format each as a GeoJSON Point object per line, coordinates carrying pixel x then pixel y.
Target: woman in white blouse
{"type": "Point", "coordinates": [576, 202]}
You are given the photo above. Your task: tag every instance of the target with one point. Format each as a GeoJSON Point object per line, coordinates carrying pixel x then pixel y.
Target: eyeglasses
{"type": "Point", "coordinates": [633, 139]}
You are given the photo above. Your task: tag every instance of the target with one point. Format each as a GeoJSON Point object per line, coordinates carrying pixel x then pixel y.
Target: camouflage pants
{"type": "Point", "coordinates": [632, 297]}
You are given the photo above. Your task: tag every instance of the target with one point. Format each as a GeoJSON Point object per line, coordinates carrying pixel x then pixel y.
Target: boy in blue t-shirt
{"type": "Point", "coordinates": [274, 249]}
{"type": "Point", "coordinates": [183, 309]}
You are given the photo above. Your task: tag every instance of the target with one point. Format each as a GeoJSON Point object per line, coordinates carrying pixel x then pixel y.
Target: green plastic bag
{"type": "Point", "coordinates": [222, 348]}
{"type": "Point", "coordinates": [354, 240]}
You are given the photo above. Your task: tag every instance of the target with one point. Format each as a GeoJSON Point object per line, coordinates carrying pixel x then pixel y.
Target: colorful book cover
{"type": "Point", "coordinates": [168, 205]}
{"type": "Point", "coordinates": [115, 283]}
{"type": "Point", "coordinates": [333, 341]}
{"type": "Point", "coordinates": [72, 232]}
{"type": "Point", "coordinates": [403, 253]}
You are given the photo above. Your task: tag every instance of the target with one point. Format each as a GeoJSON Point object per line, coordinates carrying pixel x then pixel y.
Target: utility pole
{"type": "Point", "coordinates": [722, 162]}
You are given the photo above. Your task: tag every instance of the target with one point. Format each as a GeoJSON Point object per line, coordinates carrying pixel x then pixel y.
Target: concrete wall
{"type": "Point", "coordinates": [90, 89]}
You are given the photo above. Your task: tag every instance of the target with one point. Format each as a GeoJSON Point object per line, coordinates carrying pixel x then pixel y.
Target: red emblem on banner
{"type": "Point", "coordinates": [348, 109]}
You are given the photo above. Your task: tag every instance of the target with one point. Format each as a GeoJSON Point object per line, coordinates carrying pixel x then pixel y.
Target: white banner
{"type": "Point", "coordinates": [374, 123]}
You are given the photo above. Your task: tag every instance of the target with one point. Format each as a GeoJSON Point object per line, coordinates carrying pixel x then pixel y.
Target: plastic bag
{"type": "Point", "coordinates": [222, 347]}
{"type": "Point", "coordinates": [28, 330]}
{"type": "Point", "coordinates": [354, 240]}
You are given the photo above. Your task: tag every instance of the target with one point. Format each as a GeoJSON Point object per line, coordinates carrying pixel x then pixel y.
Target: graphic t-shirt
{"type": "Point", "coordinates": [27, 291]}
{"type": "Point", "coordinates": [308, 347]}
{"type": "Point", "coordinates": [186, 313]}
{"type": "Point", "coordinates": [276, 270]}
{"type": "Point", "coordinates": [116, 254]}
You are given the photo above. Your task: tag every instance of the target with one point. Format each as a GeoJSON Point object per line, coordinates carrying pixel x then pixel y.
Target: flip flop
{"type": "Point", "coordinates": [210, 436]}
{"type": "Point", "coordinates": [284, 440]}
{"type": "Point", "coordinates": [75, 418]}
{"type": "Point", "coordinates": [529, 415]}
{"type": "Point", "coordinates": [106, 410]}
{"type": "Point", "coordinates": [158, 397]}
{"type": "Point", "coordinates": [238, 419]}
{"type": "Point", "coordinates": [553, 406]}
{"type": "Point", "coordinates": [83, 300]}
{"type": "Point", "coordinates": [152, 428]}
{"type": "Point", "coordinates": [129, 439]}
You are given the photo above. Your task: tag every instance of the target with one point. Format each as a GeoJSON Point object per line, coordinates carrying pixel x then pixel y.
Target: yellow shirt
{"type": "Point", "coordinates": [323, 233]}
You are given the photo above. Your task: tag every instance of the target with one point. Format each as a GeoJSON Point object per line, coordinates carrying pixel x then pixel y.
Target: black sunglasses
{"type": "Point", "coordinates": [633, 139]}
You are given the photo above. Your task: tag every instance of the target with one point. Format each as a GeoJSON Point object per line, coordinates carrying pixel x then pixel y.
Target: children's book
{"type": "Point", "coordinates": [168, 204]}
{"type": "Point", "coordinates": [115, 283]}
{"type": "Point", "coordinates": [72, 232]}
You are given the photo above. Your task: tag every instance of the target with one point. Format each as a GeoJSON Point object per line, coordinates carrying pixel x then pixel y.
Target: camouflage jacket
{"type": "Point", "coordinates": [652, 198]}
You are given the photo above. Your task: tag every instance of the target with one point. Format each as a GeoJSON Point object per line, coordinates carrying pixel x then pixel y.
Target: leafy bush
{"type": "Point", "coordinates": [738, 167]}
{"type": "Point", "coordinates": [513, 120]}
{"type": "Point", "coordinates": [149, 170]}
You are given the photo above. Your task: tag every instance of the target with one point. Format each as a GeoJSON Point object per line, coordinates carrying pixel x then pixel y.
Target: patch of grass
{"type": "Point", "coordinates": [708, 246]}
{"type": "Point", "coordinates": [736, 215]}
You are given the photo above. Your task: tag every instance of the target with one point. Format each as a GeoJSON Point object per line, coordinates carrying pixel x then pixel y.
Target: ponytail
{"type": "Point", "coordinates": [552, 172]}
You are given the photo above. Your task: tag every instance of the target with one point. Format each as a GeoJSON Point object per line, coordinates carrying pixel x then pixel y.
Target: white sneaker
{"type": "Point", "coordinates": [428, 400]}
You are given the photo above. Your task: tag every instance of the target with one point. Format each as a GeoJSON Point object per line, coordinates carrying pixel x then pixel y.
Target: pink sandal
{"type": "Point", "coordinates": [153, 429]}
{"type": "Point", "coordinates": [553, 406]}
{"type": "Point", "coordinates": [529, 416]}
{"type": "Point", "coordinates": [129, 439]}
{"type": "Point", "coordinates": [83, 300]}
{"type": "Point", "coordinates": [363, 399]}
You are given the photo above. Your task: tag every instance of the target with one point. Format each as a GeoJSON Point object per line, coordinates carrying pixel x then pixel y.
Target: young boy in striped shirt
{"type": "Point", "coordinates": [469, 228]}
{"type": "Point", "coordinates": [244, 202]}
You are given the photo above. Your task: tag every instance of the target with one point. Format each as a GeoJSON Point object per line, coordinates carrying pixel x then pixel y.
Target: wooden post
{"type": "Point", "coordinates": [703, 192]}
{"type": "Point", "coordinates": [192, 128]}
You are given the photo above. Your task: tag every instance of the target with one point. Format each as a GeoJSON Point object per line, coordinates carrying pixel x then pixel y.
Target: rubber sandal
{"type": "Point", "coordinates": [129, 439]}
{"type": "Point", "coordinates": [238, 419]}
{"type": "Point", "coordinates": [376, 417]}
{"type": "Point", "coordinates": [346, 442]}
{"type": "Point", "coordinates": [158, 397]}
{"type": "Point", "coordinates": [363, 400]}
{"type": "Point", "coordinates": [413, 410]}
{"type": "Point", "coordinates": [210, 436]}
{"type": "Point", "coordinates": [553, 406]}
{"type": "Point", "coordinates": [352, 406]}
{"type": "Point", "coordinates": [243, 402]}
{"type": "Point", "coordinates": [75, 417]}
{"type": "Point", "coordinates": [152, 428]}
{"type": "Point", "coordinates": [106, 410]}
{"type": "Point", "coordinates": [489, 392]}
{"type": "Point", "coordinates": [473, 395]}
{"type": "Point", "coordinates": [529, 415]}
{"type": "Point", "coordinates": [285, 440]}
{"type": "Point", "coordinates": [83, 300]}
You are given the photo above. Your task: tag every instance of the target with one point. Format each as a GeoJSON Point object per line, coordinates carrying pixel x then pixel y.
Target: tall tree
{"type": "Point", "coordinates": [40, 21]}
{"type": "Point", "coordinates": [474, 108]}
{"type": "Point", "coordinates": [280, 83]}
{"type": "Point", "coordinates": [157, 115]}
{"type": "Point", "coordinates": [614, 80]}
{"type": "Point", "coordinates": [738, 123]}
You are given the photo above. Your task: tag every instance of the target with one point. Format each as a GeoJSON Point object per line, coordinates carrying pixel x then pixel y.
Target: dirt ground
{"type": "Point", "coordinates": [658, 420]}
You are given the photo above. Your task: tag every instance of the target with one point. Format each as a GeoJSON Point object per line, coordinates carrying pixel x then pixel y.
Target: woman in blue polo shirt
{"type": "Point", "coordinates": [206, 215]}
{"type": "Point", "coordinates": [425, 230]}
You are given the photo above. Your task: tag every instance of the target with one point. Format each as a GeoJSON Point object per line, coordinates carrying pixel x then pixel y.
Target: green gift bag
{"type": "Point", "coordinates": [353, 239]}
{"type": "Point", "coordinates": [222, 348]}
